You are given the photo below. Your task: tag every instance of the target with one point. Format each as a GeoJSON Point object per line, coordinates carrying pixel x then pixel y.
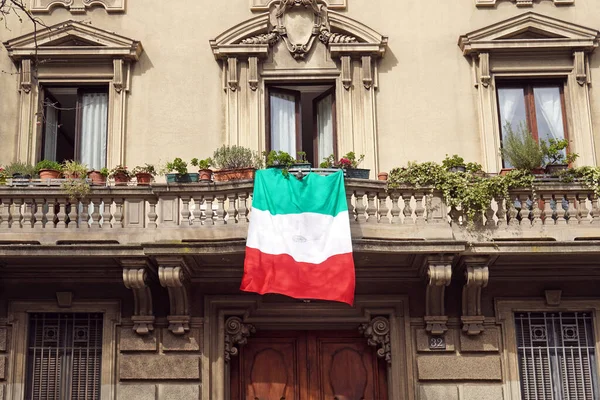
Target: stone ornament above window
{"type": "Point", "coordinates": [77, 6]}
{"type": "Point", "coordinates": [520, 3]}
{"type": "Point", "coordinates": [263, 5]}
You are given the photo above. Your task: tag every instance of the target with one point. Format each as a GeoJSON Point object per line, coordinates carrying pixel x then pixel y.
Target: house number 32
{"type": "Point", "coordinates": [437, 343]}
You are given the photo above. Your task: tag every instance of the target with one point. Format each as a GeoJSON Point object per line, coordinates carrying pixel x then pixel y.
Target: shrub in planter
{"type": "Point", "coordinates": [20, 170]}
{"type": "Point", "coordinates": [204, 171]}
{"type": "Point", "coordinates": [454, 163]}
{"type": "Point", "coordinates": [144, 174]}
{"type": "Point", "coordinates": [349, 163]}
{"type": "Point", "coordinates": [521, 150]}
{"type": "Point", "coordinates": [47, 169]}
{"type": "Point", "coordinates": [3, 176]}
{"type": "Point", "coordinates": [176, 172]}
{"type": "Point", "coordinates": [98, 177]}
{"type": "Point", "coordinates": [74, 170]}
{"type": "Point", "coordinates": [284, 161]}
{"type": "Point", "coordinates": [557, 157]}
{"type": "Point", "coordinates": [120, 174]}
{"type": "Point", "coordinates": [235, 163]}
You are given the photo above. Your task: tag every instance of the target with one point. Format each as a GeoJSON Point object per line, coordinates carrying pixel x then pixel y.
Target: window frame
{"type": "Point", "coordinates": [323, 95]}
{"type": "Point", "coordinates": [298, 103]}
{"type": "Point", "coordinates": [505, 311]}
{"type": "Point", "coordinates": [18, 317]}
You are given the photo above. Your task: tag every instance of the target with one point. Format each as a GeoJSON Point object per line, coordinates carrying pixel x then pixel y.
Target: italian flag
{"type": "Point", "coordinates": [299, 241]}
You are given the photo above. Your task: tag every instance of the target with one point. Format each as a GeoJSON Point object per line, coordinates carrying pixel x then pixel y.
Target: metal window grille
{"type": "Point", "coordinates": [64, 356]}
{"type": "Point", "coordinates": [557, 356]}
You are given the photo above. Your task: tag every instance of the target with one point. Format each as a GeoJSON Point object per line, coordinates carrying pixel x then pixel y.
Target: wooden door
{"type": "Point", "coordinates": [308, 365]}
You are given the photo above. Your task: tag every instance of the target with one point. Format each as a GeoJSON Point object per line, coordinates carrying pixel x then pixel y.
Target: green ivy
{"type": "Point", "coordinates": [587, 176]}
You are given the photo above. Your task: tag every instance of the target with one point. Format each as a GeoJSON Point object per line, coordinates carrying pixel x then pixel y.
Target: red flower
{"type": "Point", "coordinates": [344, 162]}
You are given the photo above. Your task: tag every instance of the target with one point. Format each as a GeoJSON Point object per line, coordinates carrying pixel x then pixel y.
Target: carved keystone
{"type": "Point", "coordinates": [477, 276]}
{"type": "Point", "coordinates": [439, 275]}
{"type": "Point", "coordinates": [135, 275]}
{"type": "Point", "coordinates": [171, 275]}
{"type": "Point", "coordinates": [377, 333]}
{"type": "Point", "coordinates": [236, 334]}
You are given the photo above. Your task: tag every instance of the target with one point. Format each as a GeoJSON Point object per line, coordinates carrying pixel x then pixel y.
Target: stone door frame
{"type": "Point", "coordinates": [299, 315]}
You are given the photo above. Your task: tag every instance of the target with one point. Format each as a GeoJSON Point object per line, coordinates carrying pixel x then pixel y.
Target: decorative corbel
{"type": "Point", "coordinates": [377, 333]}
{"type": "Point", "coordinates": [26, 75]}
{"type": "Point", "coordinates": [485, 76]}
{"type": "Point", "coordinates": [236, 334]}
{"type": "Point", "coordinates": [346, 72]}
{"type": "Point", "coordinates": [253, 72]}
{"type": "Point", "coordinates": [232, 70]}
{"type": "Point", "coordinates": [580, 68]}
{"type": "Point", "coordinates": [118, 75]}
{"type": "Point", "coordinates": [439, 275]}
{"type": "Point", "coordinates": [367, 72]}
{"type": "Point", "coordinates": [135, 277]}
{"type": "Point", "coordinates": [172, 276]}
{"type": "Point", "coordinates": [477, 276]}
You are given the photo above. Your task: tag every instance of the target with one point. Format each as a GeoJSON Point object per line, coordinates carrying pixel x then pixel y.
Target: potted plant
{"type": "Point", "coordinates": [176, 172]}
{"type": "Point", "coordinates": [98, 177]}
{"type": "Point", "coordinates": [454, 163]}
{"type": "Point", "coordinates": [235, 163]}
{"type": "Point", "coordinates": [48, 169]}
{"type": "Point", "coordinates": [349, 163]}
{"type": "Point", "coordinates": [3, 176]}
{"type": "Point", "coordinates": [120, 174]}
{"type": "Point", "coordinates": [20, 170]}
{"type": "Point", "coordinates": [558, 158]}
{"type": "Point", "coordinates": [144, 174]}
{"type": "Point", "coordinates": [74, 170]}
{"type": "Point", "coordinates": [521, 150]}
{"type": "Point", "coordinates": [204, 171]}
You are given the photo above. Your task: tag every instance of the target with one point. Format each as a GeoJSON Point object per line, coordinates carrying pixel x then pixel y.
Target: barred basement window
{"type": "Point", "coordinates": [64, 356]}
{"type": "Point", "coordinates": [557, 357]}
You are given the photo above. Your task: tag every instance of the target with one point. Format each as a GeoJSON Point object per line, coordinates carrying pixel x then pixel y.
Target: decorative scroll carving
{"type": "Point", "coordinates": [77, 6]}
{"type": "Point", "coordinates": [171, 276]}
{"type": "Point", "coordinates": [236, 334]}
{"type": "Point", "coordinates": [232, 73]}
{"type": "Point", "coordinates": [439, 274]}
{"type": "Point", "coordinates": [267, 38]}
{"type": "Point", "coordinates": [26, 75]}
{"type": "Point", "coordinates": [135, 278]}
{"type": "Point", "coordinates": [520, 3]}
{"type": "Point", "coordinates": [328, 37]}
{"type": "Point", "coordinates": [581, 74]}
{"type": "Point", "coordinates": [377, 333]}
{"type": "Point", "coordinates": [472, 318]}
{"type": "Point", "coordinates": [484, 68]}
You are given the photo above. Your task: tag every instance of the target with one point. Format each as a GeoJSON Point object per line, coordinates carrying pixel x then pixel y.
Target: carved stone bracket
{"type": "Point", "coordinates": [377, 333]}
{"type": "Point", "coordinates": [236, 335]}
{"type": "Point", "coordinates": [172, 276]}
{"type": "Point", "coordinates": [135, 277]}
{"type": "Point", "coordinates": [439, 275]}
{"type": "Point", "coordinates": [477, 276]}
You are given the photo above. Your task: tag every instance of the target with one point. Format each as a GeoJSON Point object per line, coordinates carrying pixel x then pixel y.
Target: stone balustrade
{"type": "Point", "coordinates": [221, 211]}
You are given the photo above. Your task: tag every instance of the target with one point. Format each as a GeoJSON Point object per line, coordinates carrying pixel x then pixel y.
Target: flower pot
{"type": "Point", "coordinates": [143, 178]}
{"type": "Point", "coordinates": [121, 179]}
{"type": "Point", "coordinates": [538, 171]}
{"type": "Point", "coordinates": [46, 174]}
{"type": "Point", "coordinates": [205, 175]}
{"type": "Point", "coordinates": [226, 175]}
{"type": "Point", "coordinates": [505, 171]}
{"type": "Point", "coordinates": [554, 169]}
{"type": "Point", "coordinates": [183, 178]}
{"type": "Point", "coordinates": [457, 168]}
{"type": "Point", "coordinates": [97, 178]}
{"type": "Point", "coordinates": [382, 176]}
{"type": "Point", "coordinates": [70, 175]}
{"type": "Point", "coordinates": [359, 173]}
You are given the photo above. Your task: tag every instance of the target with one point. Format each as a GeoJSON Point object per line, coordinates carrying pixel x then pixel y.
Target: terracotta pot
{"type": "Point", "coordinates": [69, 175]}
{"type": "Point", "coordinates": [205, 175]}
{"type": "Point", "coordinates": [225, 175]}
{"type": "Point", "coordinates": [554, 169]}
{"type": "Point", "coordinates": [49, 174]}
{"type": "Point", "coordinates": [97, 178]}
{"type": "Point", "coordinates": [143, 178]}
{"type": "Point", "coordinates": [538, 171]}
{"type": "Point", "coordinates": [382, 176]}
{"type": "Point", "coordinates": [121, 179]}
{"type": "Point", "coordinates": [505, 171]}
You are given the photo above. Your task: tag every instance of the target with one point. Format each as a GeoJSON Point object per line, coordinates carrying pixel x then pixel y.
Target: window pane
{"type": "Point", "coordinates": [94, 128]}
{"type": "Point", "coordinates": [325, 127]}
{"type": "Point", "coordinates": [283, 122]}
{"type": "Point", "coordinates": [549, 113]}
{"type": "Point", "coordinates": [511, 102]}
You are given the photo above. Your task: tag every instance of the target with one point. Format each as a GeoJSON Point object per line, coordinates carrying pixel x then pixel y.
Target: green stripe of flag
{"type": "Point", "coordinates": [277, 194]}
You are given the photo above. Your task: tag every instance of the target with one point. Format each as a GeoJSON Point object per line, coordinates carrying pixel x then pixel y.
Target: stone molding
{"type": "Point", "coordinates": [477, 276]}
{"type": "Point", "coordinates": [439, 275]}
{"type": "Point", "coordinates": [101, 48]}
{"type": "Point", "coordinates": [171, 273]}
{"type": "Point", "coordinates": [377, 333]}
{"type": "Point", "coordinates": [264, 5]}
{"type": "Point", "coordinates": [504, 50]}
{"type": "Point", "coordinates": [236, 335]}
{"type": "Point", "coordinates": [135, 277]}
{"type": "Point", "coordinates": [520, 3]}
{"type": "Point", "coordinates": [77, 6]}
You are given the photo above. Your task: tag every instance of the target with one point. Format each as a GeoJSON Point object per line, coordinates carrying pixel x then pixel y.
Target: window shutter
{"type": "Point", "coordinates": [556, 356]}
{"type": "Point", "coordinates": [65, 352]}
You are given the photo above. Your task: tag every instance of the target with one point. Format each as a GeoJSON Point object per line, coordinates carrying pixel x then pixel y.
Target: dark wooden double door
{"type": "Point", "coordinates": [308, 365]}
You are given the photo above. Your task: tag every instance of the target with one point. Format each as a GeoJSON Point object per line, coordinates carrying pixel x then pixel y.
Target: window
{"type": "Point", "coordinates": [302, 118]}
{"type": "Point", "coordinates": [557, 355]}
{"type": "Point", "coordinates": [64, 356]}
{"type": "Point", "coordinates": [538, 106]}
{"type": "Point", "coordinates": [75, 125]}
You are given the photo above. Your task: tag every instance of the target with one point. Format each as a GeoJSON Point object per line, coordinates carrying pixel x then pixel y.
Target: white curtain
{"type": "Point", "coordinates": [94, 122]}
{"type": "Point", "coordinates": [512, 107]}
{"type": "Point", "coordinates": [548, 107]}
{"type": "Point", "coordinates": [283, 122]}
{"type": "Point", "coordinates": [325, 127]}
{"type": "Point", "coordinates": [50, 132]}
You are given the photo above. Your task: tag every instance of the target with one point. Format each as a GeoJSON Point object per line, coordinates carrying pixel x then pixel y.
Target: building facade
{"type": "Point", "coordinates": [132, 292]}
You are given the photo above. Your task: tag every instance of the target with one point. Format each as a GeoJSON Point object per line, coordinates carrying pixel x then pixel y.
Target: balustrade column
{"type": "Point", "coordinates": [40, 212]}
{"type": "Point", "coordinates": [501, 213]}
{"type": "Point", "coordinates": [360, 207]}
{"type": "Point", "coordinates": [371, 208]}
{"type": "Point", "coordinates": [119, 214]}
{"type": "Point", "coordinates": [572, 213]}
{"type": "Point", "coordinates": [395, 211]}
{"type": "Point", "coordinates": [560, 212]}
{"type": "Point", "coordinates": [73, 215]}
{"type": "Point", "coordinates": [84, 216]}
{"type": "Point", "coordinates": [407, 211]}
{"type": "Point", "coordinates": [548, 213]}
{"type": "Point", "coordinates": [383, 208]}
{"type": "Point", "coordinates": [582, 210]}
{"type": "Point", "coordinates": [351, 216]}
{"type": "Point", "coordinates": [95, 202]}
{"type": "Point", "coordinates": [595, 209]}
{"type": "Point", "coordinates": [232, 208]}
{"type": "Point", "coordinates": [185, 211]}
{"type": "Point", "coordinates": [106, 215]}
{"type": "Point", "coordinates": [28, 213]}
{"type": "Point", "coordinates": [221, 214]}
{"type": "Point", "coordinates": [243, 210]}
{"type": "Point", "coordinates": [419, 209]}
{"type": "Point", "coordinates": [152, 215]}
{"type": "Point", "coordinates": [209, 213]}
{"type": "Point", "coordinates": [5, 214]}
